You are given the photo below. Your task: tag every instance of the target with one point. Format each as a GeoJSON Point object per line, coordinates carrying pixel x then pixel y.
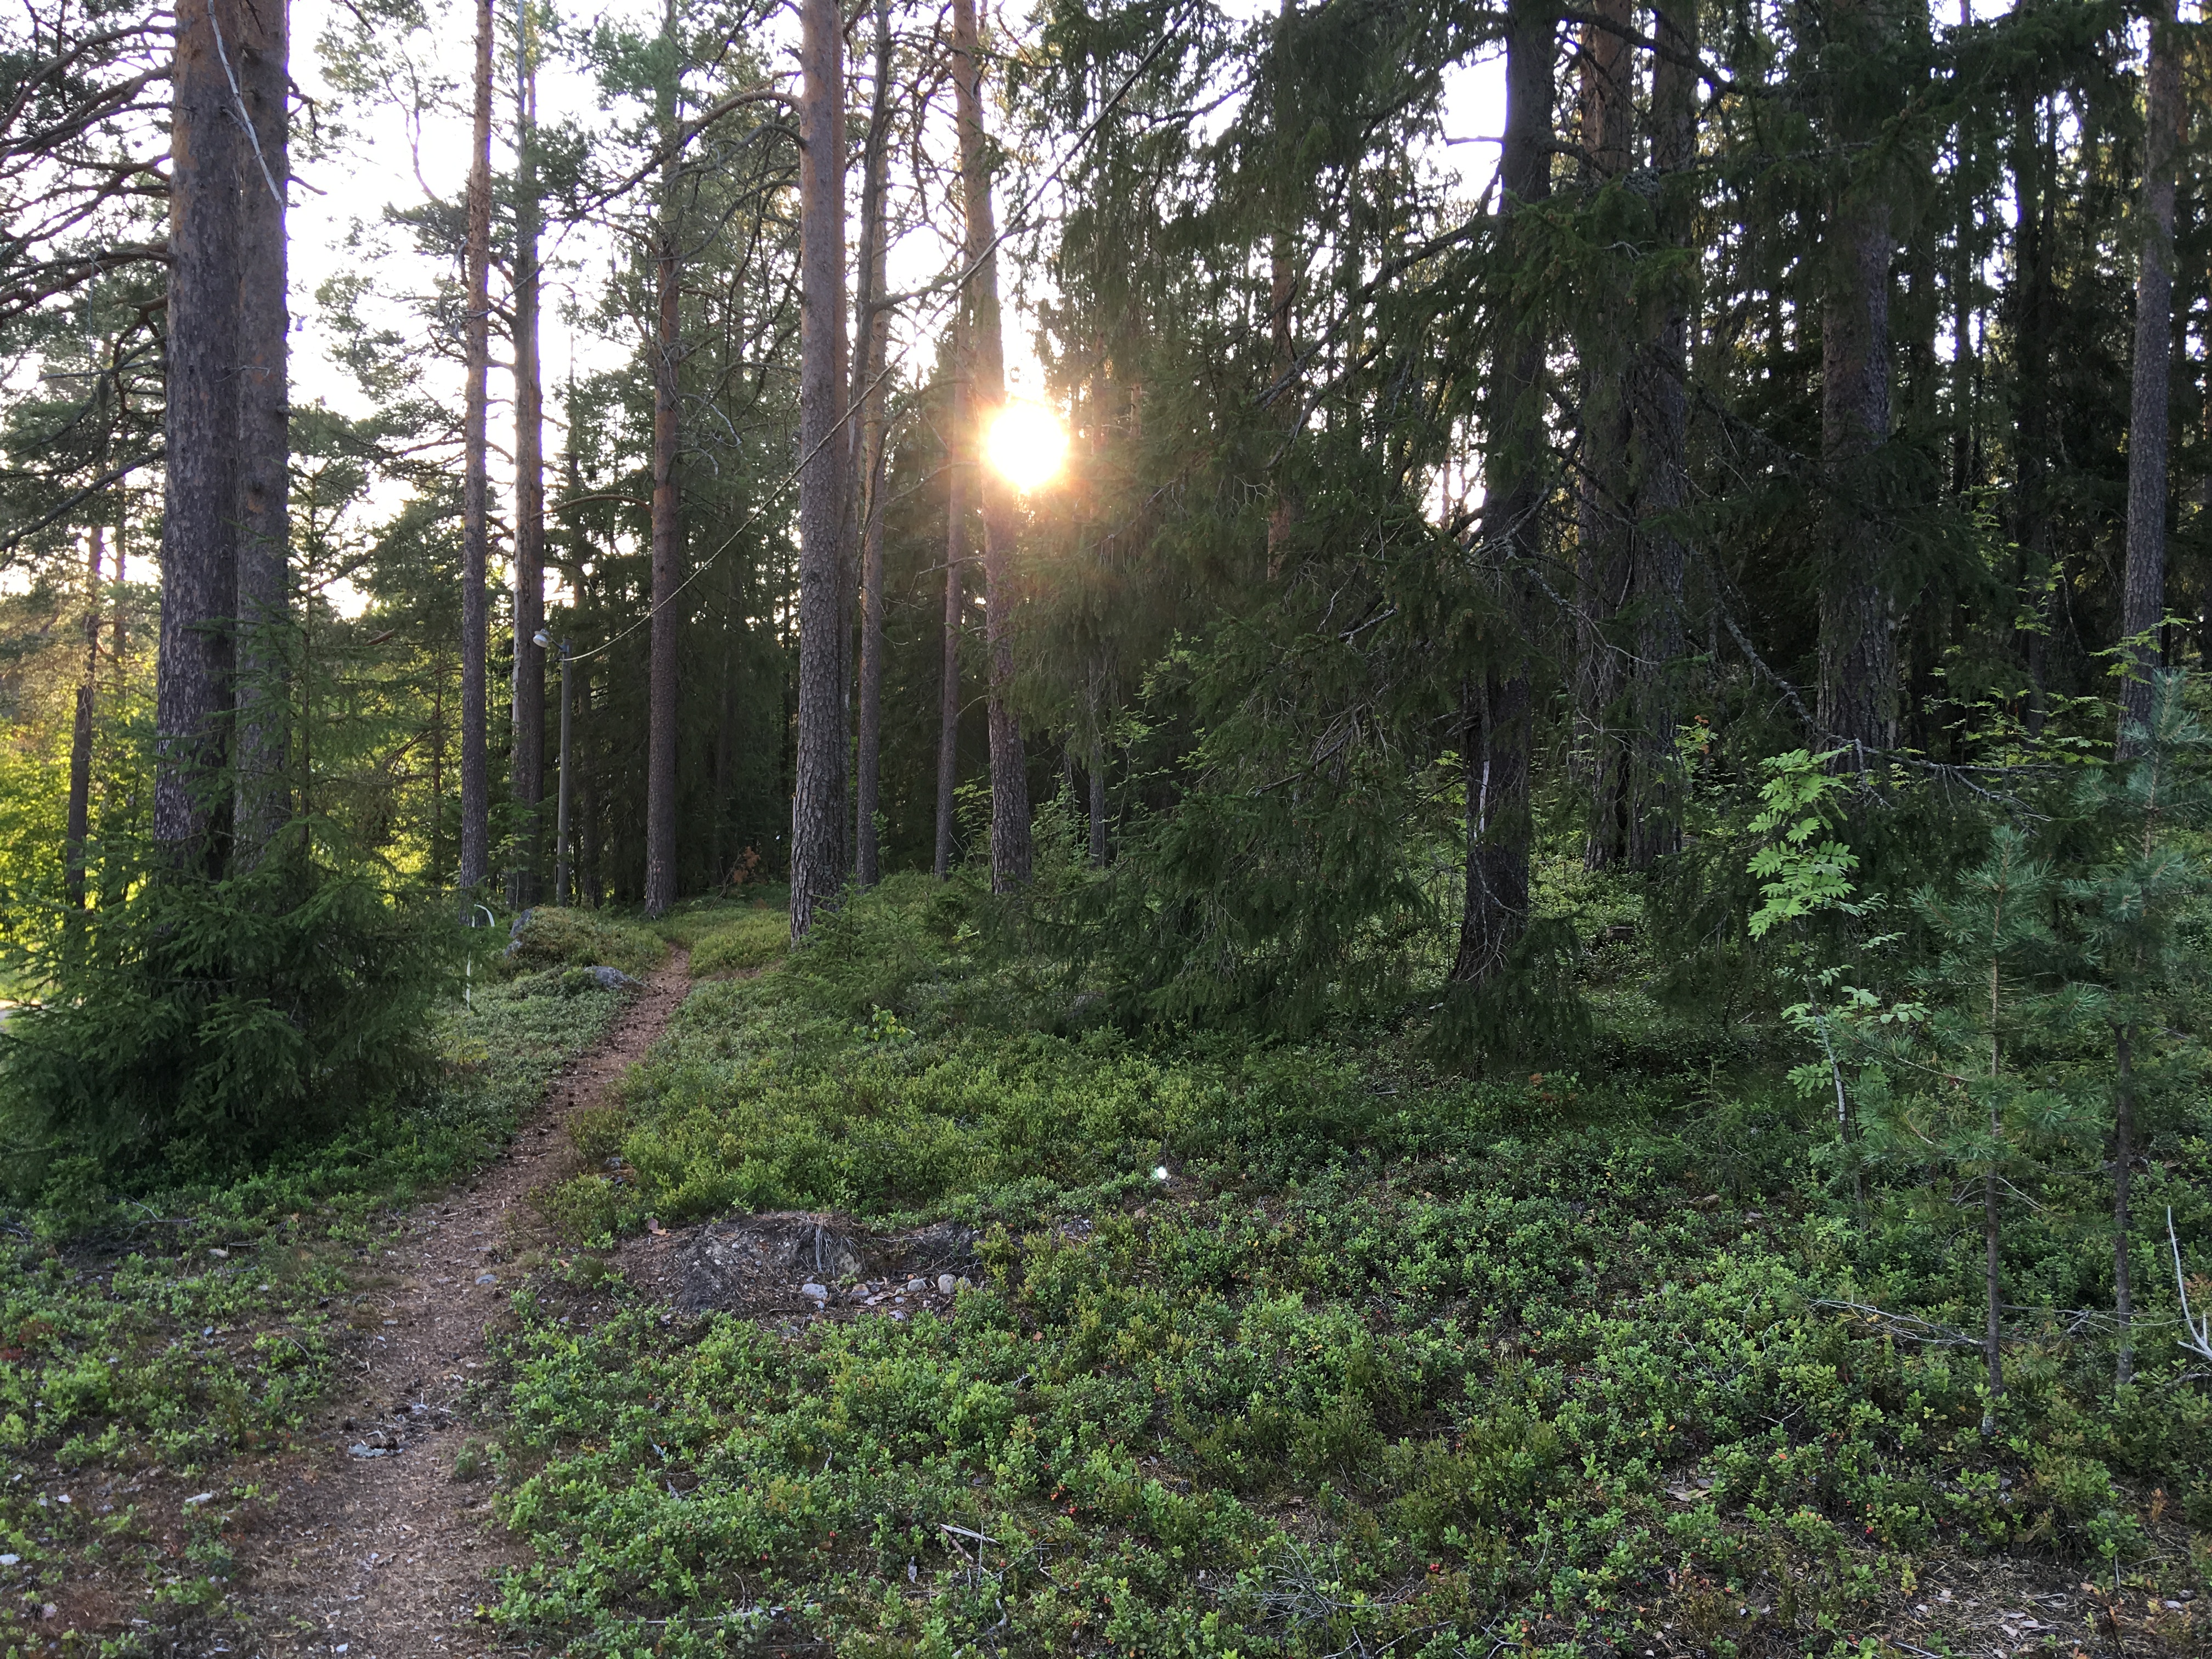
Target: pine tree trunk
{"type": "Point", "coordinates": [1857, 697]}
{"type": "Point", "coordinates": [2143, 604]}
{"type": "Point", "coordinates": [79, 827]}
{"type": "Point", "coordinates": [957, 466]}
{"type": "Point", "coordinates": [476, 505]}
{"type": "Point", "coordinates": [1603, 503]}
{"type": "Point", "coordinates": [1010, 788]}
{"type": "Point", "coordinates": [1282, 309]}
{"type": "Point", "coordinates": [2028, 299]}
{"type": "Point", "coordinates": [667, 346]}
{"type": "Point", "coordinates": [1095, 768]}
{"type": "Point", "coordinates": [2123, 1158]}
{"type": "Point", "coordinates": [872, 322]}
{"type": "Point", "coordinates": [527, 760]}
{"type": "Point", "coordinates": [262, 59]}
{"type": "Point", "coordinates": [1659, 451]}
{"type": "Point", "coordinates": [1495, 710]}
{"type": "Point", "coordinates": [195, 656]}
{"type": "Point", "coordinates": [818, 853]}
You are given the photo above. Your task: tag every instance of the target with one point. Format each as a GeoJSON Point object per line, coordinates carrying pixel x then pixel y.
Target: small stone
{"type": "Point", "coordinates": [487, 1278]}
{"type": "Point", "coordinates": [360, 1450]}
{"type": "Point", "coordinates": [916, 1287]}
{"type": "Point", "coordinates": [819, 1292]}
{"type": "Point", "coordinates": [946, 1283]}
{"type": "Point", "coordinates": [199, 1497]}
{"type": "Point", "coordinates": [1159, 1172]}
{"type": "Point", "coordinates": [612, 979]}
{"type": "Point", "coordinates": [9, 1560]}
{"type": "Point", "coordinates": [219, 1254]}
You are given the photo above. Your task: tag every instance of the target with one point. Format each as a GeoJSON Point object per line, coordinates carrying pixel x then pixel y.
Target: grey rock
{"type": "Point", "coordinates": [946, 1283]}
{"type": "Point", "coordinates": [612, 979]}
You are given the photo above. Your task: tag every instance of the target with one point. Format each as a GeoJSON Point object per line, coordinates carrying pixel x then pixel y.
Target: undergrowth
{"type": "Point", "coordinates": [1305, 1349]}
{"type": "Point", "coordinates": [153, 1346]}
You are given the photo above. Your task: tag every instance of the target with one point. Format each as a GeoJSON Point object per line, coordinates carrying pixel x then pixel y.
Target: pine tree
{"type": "Point", "coordinates": [2132, 909]}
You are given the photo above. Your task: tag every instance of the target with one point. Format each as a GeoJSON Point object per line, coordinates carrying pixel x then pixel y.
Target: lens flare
{"type": "Point", "coordinates": [1026, 444]}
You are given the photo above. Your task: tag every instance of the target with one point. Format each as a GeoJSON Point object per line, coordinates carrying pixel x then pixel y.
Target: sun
{"type": "Point", "coordinates": [1026, 444]}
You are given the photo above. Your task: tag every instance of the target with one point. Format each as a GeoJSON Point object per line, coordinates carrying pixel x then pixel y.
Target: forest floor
{"type": "Point", "coordinates": [883, 1302]}
{"type": "Point", "coordinates": [371, 1545]}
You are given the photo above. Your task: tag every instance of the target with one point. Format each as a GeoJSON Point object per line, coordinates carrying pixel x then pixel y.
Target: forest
{"type": "Point", "coordinates": [1431, 780]}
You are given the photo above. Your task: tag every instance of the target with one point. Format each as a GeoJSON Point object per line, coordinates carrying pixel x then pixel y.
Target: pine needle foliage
{"type": "Point", "coordinates": [200, 1023]}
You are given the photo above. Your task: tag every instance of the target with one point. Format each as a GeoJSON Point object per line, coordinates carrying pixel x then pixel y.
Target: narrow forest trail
{"type": "Point", "coordinates": [387, 1555]}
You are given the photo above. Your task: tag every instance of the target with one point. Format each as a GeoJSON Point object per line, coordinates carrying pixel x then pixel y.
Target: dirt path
{"type": "Point", "coordinates": [374, 1551]}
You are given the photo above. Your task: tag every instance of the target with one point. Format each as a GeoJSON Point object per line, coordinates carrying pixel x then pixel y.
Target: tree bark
{"type": "Point", "coordinates": [817, 852]}
{"type": "Point", "coordinates": [526, 759]}
{"type": "Point", "coordinates": [668, 348]}
{"type": "Point", "coordinates": [2028, 299]}
{"type": "Point", "coordinates": [1010, 788]}
{"type": "Point", "coordinates": [1659, 446]}
{"type": "Point", "coordinates": [1603, 542]}
{"type": "Point", "coordinates": [871, 322]}
{"type": "Point", "coordinates": [2143, 604]}
{"type": "Point", "coordinates": [1495, 708]}
{"type": "Point", "coordinates": [79, 827]}
{"type": "Point", "coordinates": [1857, 697]}
{"type": "Point", "coordinates": [195, 656]}
{"type": "Point", "coordinates": [2123, 1158]}
{"type": "Point", "coordinates": [476, 522]}
{"type": "Point", "coordinates": [956, 556]}
{"type": "Point", "coordinates": [262, 59]}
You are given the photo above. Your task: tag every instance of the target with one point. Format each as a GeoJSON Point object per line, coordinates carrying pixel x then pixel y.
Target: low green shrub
{"type": "Point", "coordinates": [551, 937]}
{"type": "Point", "coordinates": [750, 939]}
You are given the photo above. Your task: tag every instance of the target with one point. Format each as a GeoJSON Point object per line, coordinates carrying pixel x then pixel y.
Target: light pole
{"type": "Point", "coordinates": [560, 810]}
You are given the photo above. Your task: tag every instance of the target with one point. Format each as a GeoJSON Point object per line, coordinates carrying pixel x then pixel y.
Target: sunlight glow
{"type": "Point", "coordinates": [1026, 444]}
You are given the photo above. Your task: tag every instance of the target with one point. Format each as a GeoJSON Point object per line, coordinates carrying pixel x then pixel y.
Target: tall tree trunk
{"type": "Point", "coordinates": [1010, 787]}
{"type": "Point", "coordinates": [872, 322]}
{"type": "Point", "coordinates": [79, 827]}
{"type": "Point", "coordinates": [263, 59]}
{"type": "Point", "coordinates": [1659, 449]}
{"type": "Point", "coordinates": [199, 521]}
{"type": "Point", "coordinates": [2123, 1159]}
{"type": "Point", "coordinates": [2028, 299]}
{"type": "Point", "coordinates": [2143, 604]}
{"type": "Point", "coordinates": [818, 805]}
{"type": "Point", "coordinates": [1601, 550]}
{"type": "Point", "coordinates": [476, 505]}
{"type": "Point", "coordinates": [1495, 709]}
{"type": "Point", "coordinates": [526, 759]}
{"type": "Point", "coordinates": [1857, 697]}
{"type": "Point", "coordinates": [1282, 311]}
{"type": "Point", "coordinates": [1095, 769]}
{"type": "Point", "coordinates": [956, 465]}
{"type": "Point", "coordinates": [660, 719]}
{"type": "Point", "coordinates": [1965, 371]}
